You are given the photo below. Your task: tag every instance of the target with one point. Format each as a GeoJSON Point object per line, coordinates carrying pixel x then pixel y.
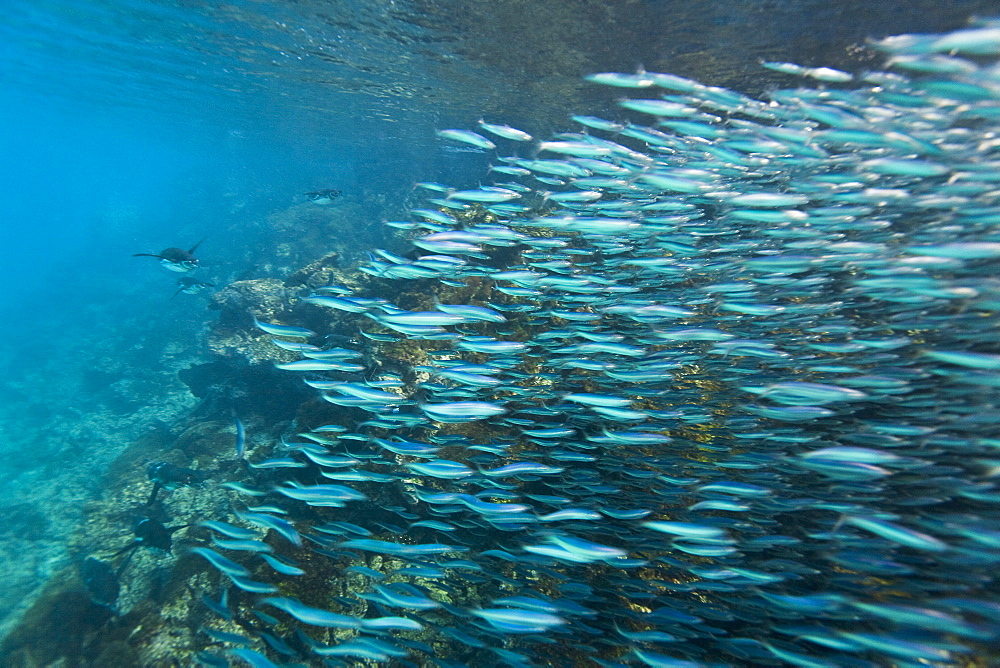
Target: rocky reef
{"type": "Point", "coordinates": [182, 413]}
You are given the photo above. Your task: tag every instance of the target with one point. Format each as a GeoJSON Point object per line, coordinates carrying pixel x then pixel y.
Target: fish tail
{"type": "Point", "coordinates": [840, 522]}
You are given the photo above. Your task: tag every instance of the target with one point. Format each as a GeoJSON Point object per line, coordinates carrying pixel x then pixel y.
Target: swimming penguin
{"type": "Point", "coordinates": [175, 259]}
{"type": "Point", "coordinates": [165, 475]}
{"type": "Point", "coordinates": [191, 286]}
{"type": "Point", "coordinates": [148, 533]}
{"type": "Point", "coordinates": [323, 196]}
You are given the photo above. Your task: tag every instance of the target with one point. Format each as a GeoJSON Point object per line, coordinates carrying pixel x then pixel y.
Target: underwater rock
{"type": "Point", "coordinates": [264, 297]}
{"type": "Point", "coordinates": [324, 271]}
{"type": "Point", "coordinates": [300, 234]}
{"type": "Point", "coordinates": [225, 385]}
{"type": "Point", "coordinates": [67, 621]}
{"type": "Point", "coordinates": [234, 336]}
{"type": "Point", "coordinates": [57, 628]}
{"type": "Point", "coordinates": [242, 377]}
{"type": "Point", "coordinates": [26, 520]}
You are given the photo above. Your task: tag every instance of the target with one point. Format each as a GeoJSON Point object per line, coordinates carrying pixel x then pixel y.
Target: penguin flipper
{"type": "Point", "coordinates": [174, 529]}
{"type": "Point", "coordinates": [195, 247]}
{"type": "Point", "coordinates": [131, 546]}
{"type": "Point", "coordinates": [127, 559]}
{"type": "Point", "coordinates": [152, 495]}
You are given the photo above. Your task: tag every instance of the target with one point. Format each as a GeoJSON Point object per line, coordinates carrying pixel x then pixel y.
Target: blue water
{"type": "Point", "coordinates": [134, 126]}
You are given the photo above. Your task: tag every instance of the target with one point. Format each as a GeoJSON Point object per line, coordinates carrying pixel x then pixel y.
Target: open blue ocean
{"type": "Point", "coordinates": [567, 333]}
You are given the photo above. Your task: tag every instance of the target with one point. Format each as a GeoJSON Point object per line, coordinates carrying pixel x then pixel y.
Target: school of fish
{"type": "Point", "coordinates": [726, 395]}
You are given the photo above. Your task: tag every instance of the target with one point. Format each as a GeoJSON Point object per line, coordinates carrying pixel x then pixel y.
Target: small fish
{"type": "Point", "coordinates": [419, 318]}
{"type": "Point", "coordinates": [466, 137]}
{"type": "Point", "coordinates": [504, 131]}
{"type": "Point", "coordinates": [514, 620]}
{"type": "Point", "coordinates": [241, 488]}
{"type": "Point", "coordinates": [339, 303]}
{"type": "Point", "coordinates": [768, 200]}
{"type": "Point", "coordinates": [278, 524]}
{"type": "Point", "coordinates": [296, 346]}
{"type": "Point", "coordinates": [408, 448]}
{"type": "Point", "coordinates": [971, 360]}
{"type": "Point", "coordinates": [819, 73]}
{"type": "Point", "coordinates": [224, 565]}
{"type": "Point", "coordinates": [598, 123]}
{"type": "Point", "coordinates": [898, 534]}
{"type": "Point", "coordinates": [462, 411]}
{"type": "Point", "coordinates": [220, 607]}
{"type": "Point", "coordinates": [601, 400]}
{"type": "Point", "coordinates": [241, 545]}
{"type": "Point", "coordinates": [580, 149]}
{"type": "Point", "coordinates": [570, 514]}
{"type": "Point", "coordinates": [362, 647]}
{"type": "Point", "coordinates": [252, 657]}
{"type": "Point", "coordinates": [661, 108]}
{"type": "Point", "coordinates": [322, 495]}
{"type": "Point", "coordinates": [493, 196]}
{"type": "Point", "coordinates": [367, 572]}
{"type": "Point", "coordinates": [522, 468]}
{"type": "Point", "coordinates": [400, 549]}
{"type": "Point", "coordinates": [282, 567]}
{"type": "Point", "coordinates": [310, 615]}
{"type": "Point", "coordinates": [316, 365]}
{"type": "Point", "coordinates": [686, 529]}
{"type": "Point", "coordinates": [442, 468]}
{"type": "Point", "coordinates": [576, 550]}
{"type": "Point", "coordinates": [224, 636]}
{"type": "Point", "coordinates": [638, 80]}
{"type": "Point", "coordinates": [283, 330]}
{"type": "Point", "coordinates": [391, 624]}
{"type": "Point", "coordinates": [277, 463]}
{"type": "Point", "coordinates": [395, 599]}
{"type": "Point", "coordinates": [471, 313]}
